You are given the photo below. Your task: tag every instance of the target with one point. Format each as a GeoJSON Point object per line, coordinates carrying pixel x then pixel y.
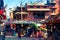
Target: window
{"type": "Point", "coordinates": [44, 6]}
{"type": "Point", "coordinates": [24, 9]}
{"type": "Point", "coordinates": [38, 6]}
{"type": "Point", "coordinates": [31, 6]}
{"type": "Point", "coordinates": [24, 16]}
{"type": "Point", "coordinates": [39, 15]}
{"type": "Point", "coordinates": [17, 16]}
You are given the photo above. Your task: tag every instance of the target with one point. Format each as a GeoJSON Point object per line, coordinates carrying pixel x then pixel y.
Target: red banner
{"type": "Point", "coordinates": [1, 12]}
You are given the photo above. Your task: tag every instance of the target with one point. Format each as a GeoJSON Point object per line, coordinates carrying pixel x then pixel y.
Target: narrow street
{"type": "Point", "coordinates": [29, 19]}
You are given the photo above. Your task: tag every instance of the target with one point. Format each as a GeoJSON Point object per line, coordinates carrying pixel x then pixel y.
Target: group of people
{"type": "Point", "coordinates": [28, 31]}
{"type": "Point", "coordinates": [32, 31]}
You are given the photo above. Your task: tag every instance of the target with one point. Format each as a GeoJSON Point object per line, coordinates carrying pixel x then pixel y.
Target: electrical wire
{"type": "Point", "coordinates": [17, 3]}
{"type": "Point", "coordinates": [20, 2]}
{"type": "Point", "coordinates": [8, 3]}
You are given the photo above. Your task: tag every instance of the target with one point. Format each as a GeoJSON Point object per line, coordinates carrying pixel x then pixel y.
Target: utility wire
{"type": "Point", "coordinates": [20, 2]}
{"type": "Point", "coordinates": [8, 3]}
{"type": "Point", "coordinates": [17, 3]}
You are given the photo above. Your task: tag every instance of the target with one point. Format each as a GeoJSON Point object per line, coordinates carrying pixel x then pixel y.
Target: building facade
{"type": "Point", "coordinates": [35, 11]}
{"type": "Point", "coordinates": [31, 12]}
{"type": "Point", "coordinates": [53, 21]}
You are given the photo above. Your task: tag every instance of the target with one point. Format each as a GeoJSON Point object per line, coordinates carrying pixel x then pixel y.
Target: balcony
{"type": "Point", "coordinates": [21, 13]}
{"type": "Point", "coordinates": [33, 9]}
{"type": "Point", "coordinates": [37, 4]}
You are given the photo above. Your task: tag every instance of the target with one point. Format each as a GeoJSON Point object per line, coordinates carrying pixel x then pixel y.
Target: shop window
{"type": "Point", "coordinates": [24, 16]}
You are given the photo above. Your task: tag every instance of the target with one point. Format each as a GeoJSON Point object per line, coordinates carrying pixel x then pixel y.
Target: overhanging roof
{"type": "Point", "coordinates": [37, 9]}
{"type": "Point", "coordinates": [37, 4]}
{"type": "Point", "coordinates": [53, 18]}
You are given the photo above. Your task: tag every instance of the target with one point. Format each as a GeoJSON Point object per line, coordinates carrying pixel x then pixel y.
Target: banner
{"type": "Point", "coordinates": [1, 12]}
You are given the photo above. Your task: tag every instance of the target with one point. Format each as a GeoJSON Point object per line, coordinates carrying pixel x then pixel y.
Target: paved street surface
{"type": "Point", "coordinates": [11, 38]}
{"type": "Point", "coordinates": [16, 38]}
{"type": "Point", "coordinates": [27, 38]}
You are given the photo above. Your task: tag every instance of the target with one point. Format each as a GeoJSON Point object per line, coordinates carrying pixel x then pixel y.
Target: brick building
{"type": "Point", "coordinates": [53, 21]}
{"type": "Point", "coordinates": [35, 12]}
{"type": "Point", "coordinates": [31, 12]}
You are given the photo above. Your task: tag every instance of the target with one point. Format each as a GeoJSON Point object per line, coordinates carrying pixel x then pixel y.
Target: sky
{"type": "Point", "coordinates": [15, 3]}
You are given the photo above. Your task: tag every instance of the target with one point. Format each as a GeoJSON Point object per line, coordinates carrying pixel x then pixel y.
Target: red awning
{"type": "Point", "coordinates": [1, 12]}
